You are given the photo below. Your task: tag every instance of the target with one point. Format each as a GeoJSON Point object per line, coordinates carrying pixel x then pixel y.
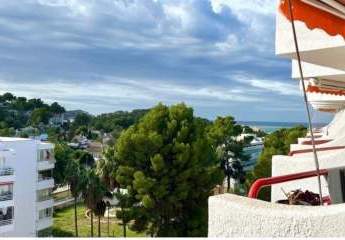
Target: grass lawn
{"type": "Point", "coordinates": [64, 224]}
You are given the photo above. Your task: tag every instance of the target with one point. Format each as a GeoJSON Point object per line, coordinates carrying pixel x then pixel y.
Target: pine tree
{"type": "Point", "coordinates": [167, 164]}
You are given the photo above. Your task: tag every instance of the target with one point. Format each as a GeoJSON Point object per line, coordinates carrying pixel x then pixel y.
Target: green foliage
{"type": "Point", "coordinates": [75, 177]}
{"type": "Point", "coordinates": [106, 168]}
{"type": "Point", "coordinates": [222, 133]}
{"type": "Point", "coordinates": [56, 108]}
{"type": "Point", "coordinates": [93, 190]}
{"type": "Point", "coordinates": [222, 129]}
{"type": "Point", "coordinates": [110, 122]}
{"type": "Point", "coordinates": [40, 115]}
{"type": "Point", "coordinates": [63, 156]}
{"type": "Point", "coordinates": [84, 158]}
{"type": "Point", "coordinates": [276, 143]}
{"type": "Point", "coordinates": [169, 168]}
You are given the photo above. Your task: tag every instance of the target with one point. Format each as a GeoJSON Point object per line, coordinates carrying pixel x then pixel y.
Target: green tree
{"type": "Point", "coordinates": [8, 97]}
{"type": "Point", "coordinates": [125, 214]}
{"type": "Point", "coordinates": [169, 168]}
{"type": "Point", "coordinates": [222, 129]}
{"type": "Point", "coordinates": [56, 108]}
{"type": "Point", "coordinates": [40, 115]}
{"type": "Point", "coordinates": [99, 212]}
{"type": "Point", "coordinates": [75, 178]}
{"type": "Point", "coordinates": [106, 168]}
{"type": "Point", "coordinates": [276, 143]}
{"type": "Point", "coordinates": [84, 158]}
{"type": "Point", "coordinates": [232, 156]}
{"type": "Point", "coordinates": [222, 133]}
{"type": "Point", "coordinates": [93, 193]}
{"type": "Point", "coordinates": [82, 119]}
{"type": "Point", "coordinates": [63, 155]}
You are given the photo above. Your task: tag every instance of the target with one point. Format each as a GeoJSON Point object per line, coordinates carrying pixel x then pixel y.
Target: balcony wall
{"type": "Point", "coordinates": [44, 184]}
{"type": "Point", "coordinates": [236, 216]}
{"type": "Point", "coordinates": [44, 223]}
{"type": "Point", "coordinates": [316, 71]}
{"type": "Point", "coordinates": [45, 165]}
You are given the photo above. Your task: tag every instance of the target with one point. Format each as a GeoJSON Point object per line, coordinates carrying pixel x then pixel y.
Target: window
{"type": "Point", "coordinates": [44, 194]}
{"type": "Point", "coordinates": [6, 192]}
{"type": "Point", "coordinates": [46, 155]}
{"type": "Point", "coordinates": [45, 175]}
{"type": "Point", "coordinates": [46, 213]}
{"type": "Point", "coordinates": [6, 216]}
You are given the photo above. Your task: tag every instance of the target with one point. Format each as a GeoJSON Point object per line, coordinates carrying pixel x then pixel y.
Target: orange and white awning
{"type": "Point", "coordinates": [328, 15]}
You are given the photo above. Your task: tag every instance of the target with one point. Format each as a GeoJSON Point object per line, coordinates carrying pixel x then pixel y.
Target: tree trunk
{"type": "Point", "coordinates": [108, 222]}
{"type": "Point", "coordinates": [91, 217]}
{"type": "Point", "coordinates": [124, 230]}
{"type": "Point", "coordinates": [123, 223]}
{"type": "Point", "coordinates": [228, 180]}
{"type": "Point", "coordinates": [99, 226]}
{"type": "Point", "coordinates": [75, 217]}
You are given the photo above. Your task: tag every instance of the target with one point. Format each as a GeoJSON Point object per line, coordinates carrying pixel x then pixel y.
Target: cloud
{"type": "Point", "coordinates": [107, 55]}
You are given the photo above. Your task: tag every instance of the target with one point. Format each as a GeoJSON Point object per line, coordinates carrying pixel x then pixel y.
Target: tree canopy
{"type": "Point", "coordinates": [276, 143]}
{"type": "Point", "coordinates": [169, 168]}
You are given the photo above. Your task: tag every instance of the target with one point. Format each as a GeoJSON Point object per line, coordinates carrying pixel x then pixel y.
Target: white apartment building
{"type": "Point", "coordinates": [26, 183]}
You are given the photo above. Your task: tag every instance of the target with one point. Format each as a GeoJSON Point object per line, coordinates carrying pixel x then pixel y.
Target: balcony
{"type": "Point", "coordinates": [316, 46]}
{"type": "Point", "coordinates": [6, 171]}
{"type": "Point", "coordinates": [235, 216]}
{"type": "Point", "coordinates": [6, 196]}
{"type": "Point", "coordinates": [45, 218]}
{"type": "Point", "coordinates": [6, 222]}
{"type": "Point", "coordinates": [6, 174]}
{"type": "Point", "coordinates": [45, 182]}
{"type": "Point", "coordinates": [6, 219]}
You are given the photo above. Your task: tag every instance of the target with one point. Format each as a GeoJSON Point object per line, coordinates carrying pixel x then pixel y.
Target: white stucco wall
{"type": "Point", "coordinates": [25, 187]}
{"type": "Point", "coordinates": [235, 216]}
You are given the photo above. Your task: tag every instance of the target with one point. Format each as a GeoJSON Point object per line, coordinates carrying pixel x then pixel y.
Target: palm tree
{"type": "Point", "coordinates": [105, 169]}
{"type": "Point", "coordinates": [99, 212]}
{"type": "Point", "coordinates": [74, 178]}
{"type": "Point", "coordinates": [93, 193]}
{"type": "Point", "coordinates": [232, 158]}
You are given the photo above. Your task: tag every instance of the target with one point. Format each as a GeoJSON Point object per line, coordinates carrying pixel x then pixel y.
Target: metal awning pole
{"type": "Point", "coordinates": [316, 160]}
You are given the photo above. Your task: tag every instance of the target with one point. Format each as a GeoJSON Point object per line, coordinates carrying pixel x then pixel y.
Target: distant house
{"type": "Point", "coordinates": [69, 116]}
{"type": "Point", "coordinates": [57, 119]}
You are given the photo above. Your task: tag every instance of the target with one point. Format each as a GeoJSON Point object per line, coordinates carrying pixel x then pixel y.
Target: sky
{"type": "Point", "coordinates": [107, 55]}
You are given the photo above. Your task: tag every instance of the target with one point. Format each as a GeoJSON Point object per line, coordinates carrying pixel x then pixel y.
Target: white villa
{"type": "Point", "coordinates": [26, 183]}
{"type": "Point", "coordinates": [320, 30]}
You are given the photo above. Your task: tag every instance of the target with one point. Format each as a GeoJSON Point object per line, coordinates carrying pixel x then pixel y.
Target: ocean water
{"type": "Point", "coordinates": [267, 127]}
{"type": "Point", "coordinates": [270, 127]}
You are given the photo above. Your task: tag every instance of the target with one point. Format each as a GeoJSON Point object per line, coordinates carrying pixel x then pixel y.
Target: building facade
{"type": "Point", "coordinates": [26, 184]}
{"type": "Point", "coordinates": [320, 30]}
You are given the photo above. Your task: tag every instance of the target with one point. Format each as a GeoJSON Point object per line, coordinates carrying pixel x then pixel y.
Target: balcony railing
{"type": "Point", "coordinates": [8, 171]}
{"type": "Point", "coordinates": [44, 178]}
{"type": "Point", "coordinates": [6, 196]}
{"type": "Point", "coordinates": [6, 222]}
{"type": "Point", "coordinates": [44, 198]}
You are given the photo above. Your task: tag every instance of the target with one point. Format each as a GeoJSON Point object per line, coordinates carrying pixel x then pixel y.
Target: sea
{"type": "Point", "coordinates": [268, 127]}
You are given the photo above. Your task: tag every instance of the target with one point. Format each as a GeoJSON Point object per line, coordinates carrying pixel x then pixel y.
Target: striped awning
{"type": "Point", "coordinates": [328, 15]}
